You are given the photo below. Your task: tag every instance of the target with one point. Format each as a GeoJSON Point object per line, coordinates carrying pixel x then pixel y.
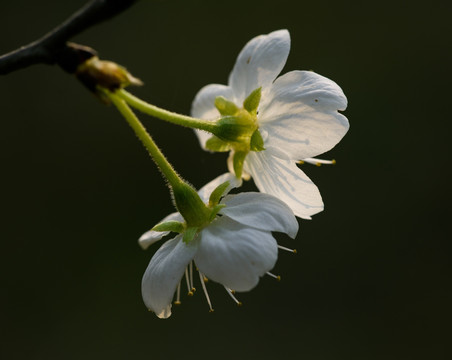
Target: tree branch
{"type": "Point", "coordinates": [52, 48]}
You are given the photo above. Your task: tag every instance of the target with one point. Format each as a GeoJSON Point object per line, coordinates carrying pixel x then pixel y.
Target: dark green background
{"type": "Point", "coordinates": [371, 278]}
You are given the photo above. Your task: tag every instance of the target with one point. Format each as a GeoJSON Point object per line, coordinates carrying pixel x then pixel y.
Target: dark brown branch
{"type": "Point", "coordinates": [52, 48]}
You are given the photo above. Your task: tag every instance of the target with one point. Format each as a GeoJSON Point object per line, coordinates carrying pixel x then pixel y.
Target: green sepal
{"type": "Point", "coordinates": [174, 226]}
{"type": "Point", "coordinates": [237, 162]}
{"type": "Point", "coordinates": [251, 103]}
{"type": "Point", "coordinates": [217, 145]}
{"type": "Point", "coordinates": [190, 234]}
{"type": "Point", "coordinates": [224, 106]}
{"type": "Point", "coordinates": [257, 143]}
{"type": "Point", "coordinates": [215, 210]}
{"type": "Point", "coordinates": [216, 195]}
{"type": "Point", "coordinates": [190, 205]}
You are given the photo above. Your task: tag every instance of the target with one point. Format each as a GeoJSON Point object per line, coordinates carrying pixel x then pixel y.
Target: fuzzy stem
{"type": "Point", "coordinates": [158, 157]}
{"type": "Point", "coordinates": [174, 118]}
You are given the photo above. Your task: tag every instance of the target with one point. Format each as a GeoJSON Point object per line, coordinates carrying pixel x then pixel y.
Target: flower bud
{"type": "Point", "coordinates": [107, 74]}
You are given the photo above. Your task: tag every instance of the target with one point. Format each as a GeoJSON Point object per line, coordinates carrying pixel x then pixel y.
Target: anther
{"type": "Point", "coordinates": [287, 249]}
{"type": "Point", "coordinates": [231, 294]}
{"type": "Point", "coordinates": [205, 279]}
{"type": "Point", "coordinates": [201, 277]}
{"type": "Point", "coordinates": [277, 277]}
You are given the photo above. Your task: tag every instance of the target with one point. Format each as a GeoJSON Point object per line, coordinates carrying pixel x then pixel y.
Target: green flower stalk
{"type": "Point", "coordinates": [195, 213]}
{"type": "Point", "coordinates": [236, 129]}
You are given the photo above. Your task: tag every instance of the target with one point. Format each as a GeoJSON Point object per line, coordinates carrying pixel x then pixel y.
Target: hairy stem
{"type": "Point", "coordinates": [172, 117]}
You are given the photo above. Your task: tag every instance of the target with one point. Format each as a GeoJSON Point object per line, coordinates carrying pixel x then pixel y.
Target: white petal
{"type": "Point", "coordinates": [259, 63]}
{"type": "Point", "coordinates": [164, 273]}
{"type": "Point", "coordinates": [283, 179]}
{"type": "Point", "coordinates": [206, 190]}
{"type": "Point", "coordinates": [235, 255]}
{"type": "Point", "coordinates": [300, 114]}
{"type": "Point", "coordinates": [261, 211]}
{"type": "Point", "coordinates": [203, 106]}
{"type": "Point", "coordinates": [150, 237]}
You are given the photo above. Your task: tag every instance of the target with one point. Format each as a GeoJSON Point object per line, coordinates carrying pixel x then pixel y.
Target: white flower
{"type": "Point", "coordinates": [235, 249]}
{"type": "Point", "coordinates": [297, 116]}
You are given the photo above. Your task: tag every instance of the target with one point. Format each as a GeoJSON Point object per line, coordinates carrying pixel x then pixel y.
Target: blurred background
{"type": "Point", "coordinates": [371, 279]}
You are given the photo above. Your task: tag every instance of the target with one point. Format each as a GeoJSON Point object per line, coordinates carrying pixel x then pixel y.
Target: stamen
{"type": "Point", "coordinates": [317, 162]}
{"type": "Point", "coordinates": [177, 302]}
{"type": "Point", "coordinates": [231, 294]}
{"type": "Point", "coordinates": [277, 277]}
{"type": "Point", "coordinates": [190, 292]}
{"type": "Point", "coordinates": [287, 249]}
{"type": "Point", "coordinates": [191, 277]}
{"type": "Point", "coordinates": [201, 276]}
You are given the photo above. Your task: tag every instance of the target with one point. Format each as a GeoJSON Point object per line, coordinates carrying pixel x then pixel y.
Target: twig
{"type": "Point", "coordinates": [52, 48]}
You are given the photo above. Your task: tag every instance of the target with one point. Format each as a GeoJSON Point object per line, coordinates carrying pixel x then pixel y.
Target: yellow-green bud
{"type": "Point", "coordinates": [95, 72]}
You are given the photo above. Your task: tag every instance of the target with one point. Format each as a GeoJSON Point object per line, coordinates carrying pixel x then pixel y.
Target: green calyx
{"type": "Point", "coordinates": [190, 234]}
{"type": "Point", "coordinates": [257, 143]}
{"type": "Point", "coordinates": [237, 129]}
{"type": "Point", "coordinates": [218, 193]}
{"type": "Point", "coordinates": [190, 205]}
{"type": "Point", "coordinates": [196, 214]}
{"type": "Point", "coordinates": [237, 125]}
{"type": "Point", "coordinates": [174, 226]}
{"type": "Point", "coordinates": [251, 103]}
{"type": "Point", "coordinates": [225, 107]}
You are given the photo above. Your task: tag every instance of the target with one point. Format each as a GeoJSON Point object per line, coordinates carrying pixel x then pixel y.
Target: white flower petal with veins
{"type": "Point", "coordinates": [164, 273]}
{"type": "Point", "coordinates": [274, 215]}
{"type": "Point", "coordinates": [300, 114]}
{"type": "Point", "coordinates": [259, 63]}
{"type": "Point", "coordinates": [235, 255]}
{"type": "Point", "coordinates": [284, 180]}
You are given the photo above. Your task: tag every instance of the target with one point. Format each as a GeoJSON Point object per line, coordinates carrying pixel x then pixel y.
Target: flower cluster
{"type": "Point", "coordinates": [268, 124]}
